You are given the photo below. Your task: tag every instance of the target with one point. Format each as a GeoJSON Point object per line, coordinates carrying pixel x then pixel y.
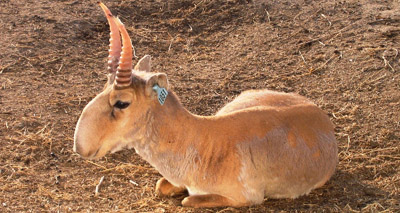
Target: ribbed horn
{"type": "Point", "coordinates": [124, 71]}
{"type": "Point", "coordinates": [114, 52]}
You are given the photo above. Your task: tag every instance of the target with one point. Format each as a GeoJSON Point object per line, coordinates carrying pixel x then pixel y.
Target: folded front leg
{"type": "Point", "coordinates": [165, 188]}
{"type": "Point", "coordinates": [210, 200]}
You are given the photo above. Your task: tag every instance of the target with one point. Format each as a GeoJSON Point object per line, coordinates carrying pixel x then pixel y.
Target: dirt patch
{"type": "Point", "coordinates": [341, 54]}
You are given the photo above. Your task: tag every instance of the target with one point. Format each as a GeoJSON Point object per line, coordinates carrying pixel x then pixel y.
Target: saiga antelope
{"type": "Point", "coordinates": [263, 143]}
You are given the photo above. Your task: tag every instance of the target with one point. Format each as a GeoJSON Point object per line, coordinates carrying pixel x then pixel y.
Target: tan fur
{"type": "Point", "coordinates": [165, 188]}
{"type": "Point", "coordinates": [263, 143]}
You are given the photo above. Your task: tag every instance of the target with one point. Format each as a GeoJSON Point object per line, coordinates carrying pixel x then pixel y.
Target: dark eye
{"type": "Point", "coordinates": [121, 105]}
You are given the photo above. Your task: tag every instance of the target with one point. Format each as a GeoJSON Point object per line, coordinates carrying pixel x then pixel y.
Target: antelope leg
{"type": "Point", "coordinates": [165, 188]}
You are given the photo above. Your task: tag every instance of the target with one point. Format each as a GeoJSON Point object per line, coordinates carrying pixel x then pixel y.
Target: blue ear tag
{"type": "Point", "coordinates": [162, 93]}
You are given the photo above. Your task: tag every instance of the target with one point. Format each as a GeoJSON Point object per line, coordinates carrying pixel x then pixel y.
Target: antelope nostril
{"type": "Point", "coordinates": [94, 155]}
{"type": "Point", "coordinates": [85, 152]}
{"type": "Point", "coordinates": [81, 151]}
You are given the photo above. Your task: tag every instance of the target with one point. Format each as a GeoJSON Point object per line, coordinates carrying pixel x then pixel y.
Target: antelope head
{"type": "Point", "coordinates": [126, 98]}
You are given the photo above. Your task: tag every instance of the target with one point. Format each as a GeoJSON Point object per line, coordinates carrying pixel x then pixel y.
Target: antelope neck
{"type": "Point", "coordinates": [175, 125]}
{"type": "Point", "coordinates": [172, 137]}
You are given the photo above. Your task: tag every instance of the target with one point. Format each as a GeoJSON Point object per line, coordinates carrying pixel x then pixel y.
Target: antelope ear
{"type": "Point", "coordinates": [144, 64]}
{"type": "Point", "coordinates": [159, 79]}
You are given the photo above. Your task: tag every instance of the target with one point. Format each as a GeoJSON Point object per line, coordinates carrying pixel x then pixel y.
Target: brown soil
{"type": "Point", "coordinates": [341, 54]}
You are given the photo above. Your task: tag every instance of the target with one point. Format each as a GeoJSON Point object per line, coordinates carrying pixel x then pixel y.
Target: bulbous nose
{"type": "Point", "coordinates": [84, 152]}
{"type": "Point", "coordinates": [89, 128]}
{"type": "Point", "coordinates": [82, 145]}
